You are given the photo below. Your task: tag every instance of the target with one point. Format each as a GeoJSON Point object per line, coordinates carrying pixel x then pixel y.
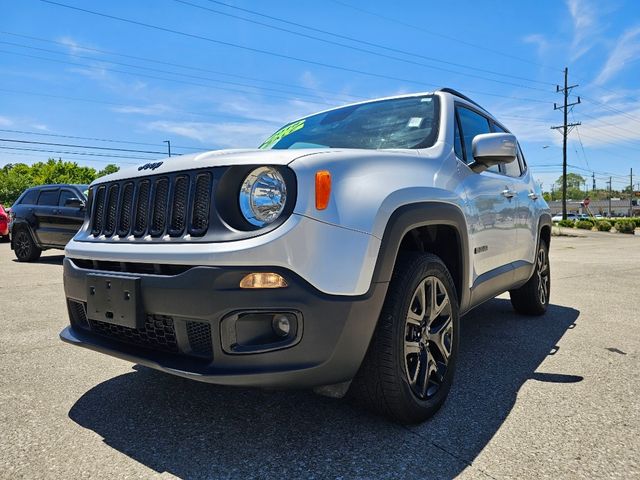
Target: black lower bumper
{"type": "Point", "coordinates": [332, 336]}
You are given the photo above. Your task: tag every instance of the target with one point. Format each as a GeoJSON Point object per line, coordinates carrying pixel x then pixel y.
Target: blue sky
{"type": "Point", "coordinates": [225, 82]}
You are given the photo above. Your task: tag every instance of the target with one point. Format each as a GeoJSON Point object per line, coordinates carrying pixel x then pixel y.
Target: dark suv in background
{"type": "Point", "coordinates": [46, 216]}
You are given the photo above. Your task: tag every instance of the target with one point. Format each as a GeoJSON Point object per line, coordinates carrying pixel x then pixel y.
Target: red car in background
{"type": "Point", "coordinates": [4, 225]}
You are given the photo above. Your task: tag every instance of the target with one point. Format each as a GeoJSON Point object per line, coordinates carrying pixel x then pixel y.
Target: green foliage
{"type": "Point", "coordinates": [584, 224]}
{"type": "Point", "coordinates": [109, 169]}
{"type": "Point", "coordinates": [15, 178]}
{"type": "Point", "coordinates": [625, 226]}
{"type": "Point", "coordinates": [604, 225]}
{"type": "Point", "coordinates": [567, 223]}
{"type": "Point", "coordinates": [574, 181]}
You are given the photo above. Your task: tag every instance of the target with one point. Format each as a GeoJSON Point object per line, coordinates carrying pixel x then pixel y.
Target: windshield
{"type": "Point", "coordinates": [397, 123]}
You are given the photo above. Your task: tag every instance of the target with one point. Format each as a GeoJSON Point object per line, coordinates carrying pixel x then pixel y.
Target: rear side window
{"type": "Point", "coordinates": [48, 197]}
{"type": "Point", "coordinates": [65, 195]}
{"type": "Point", "coordinates": [457, 140]}
{"type": "Point", "coordinates": [30, 198]}
{"type": "Point", "coordinates": [472, 124]}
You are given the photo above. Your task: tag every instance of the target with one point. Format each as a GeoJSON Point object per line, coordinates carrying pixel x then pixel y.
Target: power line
{"type": "Point", "coordinates": [74, 158]}
{"type": "Point", "coordinates": [198, 77]}
{"type": "Point", "coordinates": [31, 142]}
{"type": "Point", "coordinates": [186, 82]}
{"type": "Point", "coordinates": [267, 52]}
{"type": "Point", "coordinates": [110, 140]}
{"type": "Point", "coordinates": [115, 104]}
{"type": "Point", "coordinates": [178, 65]}
{"type": "Point", "coordinates": [447, 37]}
{"type": "Point", "coordinates": [79, 153]}
{"type": "Point", "coordinates": [360, 41]}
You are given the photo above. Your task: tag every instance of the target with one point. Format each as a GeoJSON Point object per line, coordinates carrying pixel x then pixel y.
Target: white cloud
{"type": "Point", "coordinates": [155, 109]}
{"type": "Point", "coordinates": [539, 40]}
{"type": "Point", "coordinates": [618, 128]}
{"type": "Point", "coordinates": [40, 126]}
{"type": "Point", "coordinates": [5, 122]}
{"type": "Point", "coordinates": [218, 135]}
{"type": "Point", "coordinates": [627, 48]}
{"type": "Point", "coordinates": [585, 26]}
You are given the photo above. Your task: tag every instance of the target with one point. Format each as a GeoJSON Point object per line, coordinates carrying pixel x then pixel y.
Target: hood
{"type": "Point", "coordinates": [216, 158]}
{"type": "Point", "coordinates": [224, 158]}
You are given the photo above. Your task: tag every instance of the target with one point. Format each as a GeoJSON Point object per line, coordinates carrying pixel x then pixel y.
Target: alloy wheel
{"type": "Point", "coordinates": [22, 245]}
{"type": "Point", "coordinates": [428, 337]}
{"type": "Point", "coordinates": [542, 270]}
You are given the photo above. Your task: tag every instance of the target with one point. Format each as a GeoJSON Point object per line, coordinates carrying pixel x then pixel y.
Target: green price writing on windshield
{"type": "Point", "coordinates": [280, 134]}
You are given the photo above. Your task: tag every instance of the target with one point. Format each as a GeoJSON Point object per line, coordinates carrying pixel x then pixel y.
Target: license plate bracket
{"type": "Point", "coordinates": [115, 299]}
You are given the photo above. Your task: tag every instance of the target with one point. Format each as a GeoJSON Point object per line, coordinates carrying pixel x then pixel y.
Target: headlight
{"type": "Point", "coordinates": [262, 196]}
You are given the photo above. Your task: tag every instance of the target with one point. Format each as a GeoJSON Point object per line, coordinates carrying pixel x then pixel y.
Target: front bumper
{"type": "Point", "coordinates": [334, 330]}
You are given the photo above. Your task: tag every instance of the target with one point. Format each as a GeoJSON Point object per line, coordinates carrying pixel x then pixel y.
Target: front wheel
{"type": "Point", "coordinates": [533, 297]}
{"type": "Point", "coordinates": [408, 370]}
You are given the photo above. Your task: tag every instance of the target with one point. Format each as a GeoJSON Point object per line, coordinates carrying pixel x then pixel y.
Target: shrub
{"type": "Point", "coordinates": [566, 223]}
{"type": "Point", "coordinates": [604, 226]}
{"type": "Point", "coordinates": [625, 226]}
{"type": "Point", "coordinates": [584, 224]}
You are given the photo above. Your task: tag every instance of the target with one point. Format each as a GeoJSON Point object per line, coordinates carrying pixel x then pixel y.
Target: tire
{"type": "Point", "coordinates": [4, 239]}
{"type": "Point", "coordinates": [533, 297]}
{"type": "Point", "coordinates": [24, 247]}
{"type": "Point", "coordinates": [408, 369]}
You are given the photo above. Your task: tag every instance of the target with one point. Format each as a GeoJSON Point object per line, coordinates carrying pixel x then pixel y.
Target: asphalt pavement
{"type": "Point", "coordinates": [550, 397]}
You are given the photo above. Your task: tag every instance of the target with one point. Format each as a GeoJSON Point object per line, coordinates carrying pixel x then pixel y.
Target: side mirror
{"type": "Point", "coordinates": [74, 202]}
{"type": "Point", "coordinates": [491, 149]}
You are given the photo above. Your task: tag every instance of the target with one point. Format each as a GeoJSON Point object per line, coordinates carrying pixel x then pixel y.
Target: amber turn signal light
{"type": "Point", "coordinates": [263, 280]}
{"type": "Point", "coordinates": [323, 189]}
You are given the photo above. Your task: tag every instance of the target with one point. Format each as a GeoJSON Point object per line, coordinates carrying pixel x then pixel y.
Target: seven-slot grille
{"type": "Point", "coordinates": [173, 205]}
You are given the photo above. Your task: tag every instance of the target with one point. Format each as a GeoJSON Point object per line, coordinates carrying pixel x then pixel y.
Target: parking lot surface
{"type": "Point", "coordinates": [550, 397]}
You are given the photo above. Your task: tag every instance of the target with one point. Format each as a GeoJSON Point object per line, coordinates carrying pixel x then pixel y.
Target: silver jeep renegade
{"type": "Point", "coordinates": [338, 256]}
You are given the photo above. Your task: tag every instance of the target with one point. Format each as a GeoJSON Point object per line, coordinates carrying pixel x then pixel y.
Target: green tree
{"type": "Point", "coordinates": [15, 178]}
{"type": "Point", "coordinates": [573, 181]}
{"type": "Point", "coordinates": [109, 169]}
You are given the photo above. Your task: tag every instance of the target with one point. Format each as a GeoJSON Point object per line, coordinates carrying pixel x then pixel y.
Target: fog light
{"type": "Point", "coordinates": [281, 325]}
{"type": "Point", "coordinates": [263, 280]}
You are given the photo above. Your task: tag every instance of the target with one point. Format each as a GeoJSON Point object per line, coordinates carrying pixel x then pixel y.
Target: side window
{"type": "Point", "coordinates": [48, 197]}
{"type": "Point", "coordinates": [523, 162]}
{"type": "Point", "coordinates": [472, 124]}
{"type": "Point", "coordinates": [30, 198]}
{"type": "Point", "coordinates": [457, 140]}
{"type": "Point", "coordinates": [64, 195]}
{"type": "Point", "coordinates": [510, 169]}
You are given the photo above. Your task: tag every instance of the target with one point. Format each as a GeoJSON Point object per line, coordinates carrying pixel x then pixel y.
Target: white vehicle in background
{"type": "Point", "coordinates": [570, 216]}
{"type": "Point", "coordinates": [338, 256]}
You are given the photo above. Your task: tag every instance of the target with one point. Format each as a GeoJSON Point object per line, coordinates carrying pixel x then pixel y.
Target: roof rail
{"type": "Point", "coordinates": [458, 94]}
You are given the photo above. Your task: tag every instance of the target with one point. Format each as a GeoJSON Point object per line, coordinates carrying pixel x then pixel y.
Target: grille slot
{"type": "Point", "coordinates": [159, 217]}
{"type": "Point", "coordinates": [199, 335]}
{"type": "Point", "coordinates": [179, 210]}
{"type": "Point", "coordinates": [112, 209]}
{"type": "Point", "coordinates": [201, 203]}
{"type": "Point", "coordinates": [142, 208]}
{"type": "Point", "coordinates": [98, 212]}
{"type": "Point", "coordinates": [124, 224]}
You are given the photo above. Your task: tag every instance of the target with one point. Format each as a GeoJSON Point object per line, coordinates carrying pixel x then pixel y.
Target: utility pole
{"type": "Point", "coordinates": [593, 176]}
{"type": "Point", "coordinates": [609, 182]}
{"type": "Point", "coordinates": [553, 191]}
{"type": "Point", "coordinates": [168, 142]}
{"type": "Point", "coordinates": [631, 193]}
{"type": "Point", "coordinates": [565, 128]}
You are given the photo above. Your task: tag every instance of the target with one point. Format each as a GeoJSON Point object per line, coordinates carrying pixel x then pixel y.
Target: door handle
{"type": "Point", "coordinates": [508, 193]}
{"type": "Point", "coordinates": [533, 195]}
